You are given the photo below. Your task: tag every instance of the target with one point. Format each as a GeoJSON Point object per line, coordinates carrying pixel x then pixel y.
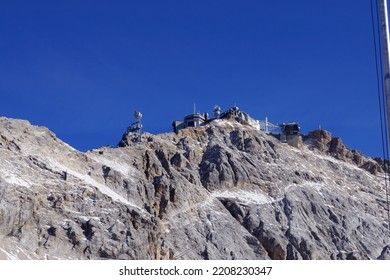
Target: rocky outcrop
{"type": "Point", "coordinates": [222, 191]}
{"type": "Point", "coordinates": [323, 141]}
{"type": "Point", "coordinates": [241, 117]}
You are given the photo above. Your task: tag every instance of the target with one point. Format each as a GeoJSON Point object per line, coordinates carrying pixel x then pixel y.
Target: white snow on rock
{"type": "Point", "coordinates": [12, 179]}
{"type": "Point", "coordinates": [244, 196]}
{"type": "Point", "coordinates": [87, 179]}
{"type": "Point", "coordinates": [114, 164]}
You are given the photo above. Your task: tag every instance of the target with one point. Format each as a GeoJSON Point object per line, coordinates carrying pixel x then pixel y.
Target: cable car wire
{"type": "Point", "coordinates": [381, 98]}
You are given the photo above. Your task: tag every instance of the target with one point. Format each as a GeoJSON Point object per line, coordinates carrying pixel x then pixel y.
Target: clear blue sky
{"type": "Point", "coordinates": [81, 68]}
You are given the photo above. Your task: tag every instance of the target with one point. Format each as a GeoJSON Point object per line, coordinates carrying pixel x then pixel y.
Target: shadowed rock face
{"type": "Point", "coordinates": [223, 191]}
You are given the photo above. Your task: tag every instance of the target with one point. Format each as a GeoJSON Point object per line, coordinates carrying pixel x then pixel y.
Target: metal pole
{"type": "Point", "coordinates": [386, 52]}
{"type": "Point", "coordinates": [386, 65]}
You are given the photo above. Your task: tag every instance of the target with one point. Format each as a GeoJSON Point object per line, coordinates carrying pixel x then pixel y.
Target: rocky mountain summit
{"type": "Point", "coordinates": [221, 191]}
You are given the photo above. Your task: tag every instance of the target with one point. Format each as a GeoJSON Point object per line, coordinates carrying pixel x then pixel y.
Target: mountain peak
{"type": "Point", "coordinates": [187, 195]}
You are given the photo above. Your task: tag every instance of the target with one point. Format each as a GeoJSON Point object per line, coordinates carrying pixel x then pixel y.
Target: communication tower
{"type": "Point", "coordinates": [136, 127]}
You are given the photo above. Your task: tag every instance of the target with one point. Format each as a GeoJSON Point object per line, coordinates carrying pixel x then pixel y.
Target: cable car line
{"type": "Point", "coordinates": [379, 46]}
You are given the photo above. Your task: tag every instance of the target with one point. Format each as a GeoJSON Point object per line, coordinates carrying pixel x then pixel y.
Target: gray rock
{"type": "Point", "coordinates": [223, 191]}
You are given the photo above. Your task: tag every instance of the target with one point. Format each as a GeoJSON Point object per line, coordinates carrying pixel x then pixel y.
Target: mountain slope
{"type": "Point", "coordinates": [223, 191]}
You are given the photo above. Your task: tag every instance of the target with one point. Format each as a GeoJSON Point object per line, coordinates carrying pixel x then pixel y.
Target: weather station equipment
{"type": "Point", "coordinates": [217, 111]}
{"type": "Point", "coordinates": [136, 127]}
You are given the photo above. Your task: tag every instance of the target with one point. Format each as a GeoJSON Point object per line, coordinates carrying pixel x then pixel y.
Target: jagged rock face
{"type": "Point", "coordinates": [223, 191]}
{"type": "Point", "coordinates": [241, 117]}
{"type": "Point", "coordinates": [323, 141]}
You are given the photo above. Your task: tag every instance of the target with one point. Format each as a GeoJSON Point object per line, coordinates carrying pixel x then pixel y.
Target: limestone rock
{"type": "Point", "coordinates": [323, 141]}
{"type": "Point", "coordinates": [222, 191]}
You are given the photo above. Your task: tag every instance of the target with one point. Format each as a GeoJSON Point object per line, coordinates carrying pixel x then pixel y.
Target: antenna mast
{"type": "Point", "coordinates": [136, 127]}
{"type": "Point", "coordinates": [384, 18]}
{"type": "Point", "coordinates": [386, 58]}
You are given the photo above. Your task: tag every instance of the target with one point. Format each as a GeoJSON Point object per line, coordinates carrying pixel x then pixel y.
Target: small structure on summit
{"type": "Point", "coordinates": [239, 116]}
{"type": "Point", "coordinates": [133, 133]}
{"type": "Point", "coordinates": [136, 127]}
{"type": "Point", "coordinates": [217, 111]}
{"type": "Point", "coordinates": [286, 132]}
{"type": "Point", "coordinates": [192, 120]}
{"type": "Point", "coordinates": [198, 119]}
{"type": "Point", "coordinates": [269, 128]}
{"type": "Point", "coordinates": [290, 128]}
{"type": "Point", "coordinates": [291, 134]}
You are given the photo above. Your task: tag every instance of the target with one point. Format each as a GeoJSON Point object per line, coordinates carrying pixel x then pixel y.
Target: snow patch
{"type": "Point", "coordinates": [118, 166]}
{"type": "Point", "coordinates": [244, 196]}
{"type": "Point", "coordinates": [13, 180]}
{"type": "Point", "coordinates": [8, 255]}
{"type": "Point", "coordinates": [102, 188]}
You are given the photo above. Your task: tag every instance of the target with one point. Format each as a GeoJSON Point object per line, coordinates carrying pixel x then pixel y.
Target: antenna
{"type": "Point", "coordinates": [194, 108]}
{"type": "Point", "coordinates": [136, 127]}
{"type": "Point", "coordinates": [384, 24]}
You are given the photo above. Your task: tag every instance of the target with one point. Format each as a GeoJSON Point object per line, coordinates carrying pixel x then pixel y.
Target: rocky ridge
{"type": "Point", "coordinates": [222, 191]}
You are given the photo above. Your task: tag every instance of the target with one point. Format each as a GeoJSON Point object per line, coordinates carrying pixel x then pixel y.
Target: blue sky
{"type": "Point", "coordinates": [81, 68]}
